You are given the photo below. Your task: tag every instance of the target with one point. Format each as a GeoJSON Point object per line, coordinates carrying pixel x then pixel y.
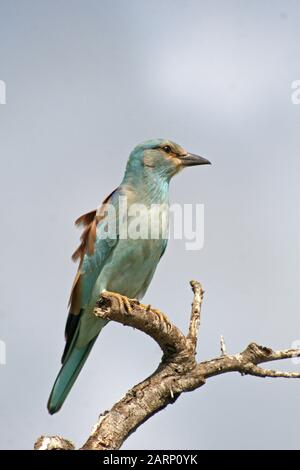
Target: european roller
{"type": "Point", "coordinates": [123, 265]}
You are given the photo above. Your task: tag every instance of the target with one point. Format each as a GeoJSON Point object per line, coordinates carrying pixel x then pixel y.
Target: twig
{"type": "Point", "coordinates": [246, 362]}
{"type": "Point", "coordinates": [196, 313]}
{"type": "Point", "coordinates": [252, 369]}
{"type": "Point", "coordinates": [223, 346]}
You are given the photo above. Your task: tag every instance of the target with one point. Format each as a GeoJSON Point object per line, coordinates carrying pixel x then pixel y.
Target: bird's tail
{"type": "Point", "coordinates": [67, 375]}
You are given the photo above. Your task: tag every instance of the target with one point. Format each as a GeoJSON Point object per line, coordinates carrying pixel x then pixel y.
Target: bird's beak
{"type": "Point", "coordinates": [191, 159]}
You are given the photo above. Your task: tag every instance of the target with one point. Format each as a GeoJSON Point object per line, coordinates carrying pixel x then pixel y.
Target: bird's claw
{"type": "Point", "coordinates": [162, 318]}
{"type": "Point", "coordinates": [123, 301]}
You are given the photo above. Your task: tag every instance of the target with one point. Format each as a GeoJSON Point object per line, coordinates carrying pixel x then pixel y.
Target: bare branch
{"type": "Point", "coordinates": [196, 313]}
{"type": "Point", "coordinates": [252, 369]}
{"type": "Point", "coordinates": [223, 346]}
{"type": "Point", "coordinates": [143, 318]}
{"type": "Point", "coordinates": [246, 362]}
{"type": "Point", "coordinates": [53, 443]}
{"type": "Point", "coordinates": [177, 372]}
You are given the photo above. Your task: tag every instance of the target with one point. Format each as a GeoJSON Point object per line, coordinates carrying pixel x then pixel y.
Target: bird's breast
{"type": "Point", "coordinates": [135, 257]}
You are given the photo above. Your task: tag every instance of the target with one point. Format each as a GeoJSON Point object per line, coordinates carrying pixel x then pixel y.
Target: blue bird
{"type": "Point", "coordinates": [120, 264]}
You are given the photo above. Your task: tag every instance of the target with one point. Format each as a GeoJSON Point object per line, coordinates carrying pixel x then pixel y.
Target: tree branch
{"type": "Point", "coordinates": [53, 443]}
{"type": "Point", "coordinates": [196, 313]}
{"type": "Point", "coordinates": [177, 372]}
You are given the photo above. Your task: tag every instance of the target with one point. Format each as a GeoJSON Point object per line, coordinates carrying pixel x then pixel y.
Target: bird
{"type": "Point", "coordinates": [121, 265]}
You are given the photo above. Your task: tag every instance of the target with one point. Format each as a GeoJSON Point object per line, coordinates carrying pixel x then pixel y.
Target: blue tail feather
{"type": "Point", "coordinates": [67, 375]}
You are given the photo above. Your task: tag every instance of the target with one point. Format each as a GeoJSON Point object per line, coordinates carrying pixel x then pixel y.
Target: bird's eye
{"type": "Point", "coordinates": [167, 149]}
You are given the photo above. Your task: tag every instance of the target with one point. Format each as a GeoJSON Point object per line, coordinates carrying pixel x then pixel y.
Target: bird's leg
{"type": "Point", "coordinates": [123, 301]}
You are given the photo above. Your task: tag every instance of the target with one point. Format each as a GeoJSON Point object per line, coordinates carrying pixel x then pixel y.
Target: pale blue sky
{"type": "Point", "coordinates": [86, 81]}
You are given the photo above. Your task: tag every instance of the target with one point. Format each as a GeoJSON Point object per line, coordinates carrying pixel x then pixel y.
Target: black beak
{"type": "Point", "coordinates": [190, 160]}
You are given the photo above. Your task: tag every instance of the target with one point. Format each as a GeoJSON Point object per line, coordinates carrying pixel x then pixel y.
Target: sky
{"type": "Point", "coordinates": [86, 81]}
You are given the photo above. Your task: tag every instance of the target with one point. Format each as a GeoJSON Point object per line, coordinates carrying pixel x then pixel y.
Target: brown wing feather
{"type": "Point", "coordinates": [86, 219]}
{"type": "Point", "coordinates": [89, 221]}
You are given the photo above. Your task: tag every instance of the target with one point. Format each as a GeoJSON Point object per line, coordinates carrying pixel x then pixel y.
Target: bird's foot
{"type": "Point", "coordinates": [162, 317]}
{"type": "Point", "coordinates": [146, 307]}
{"type": "Point", "coordinates": [123, 301]}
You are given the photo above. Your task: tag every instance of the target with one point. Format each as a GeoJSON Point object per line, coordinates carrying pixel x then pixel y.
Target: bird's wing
{"type": "Point", "coordinates": [91, 262]}
{"type": "Point", "coordinates": [164, 248]}
{"type": "Point", "coordinates": [86, 248]}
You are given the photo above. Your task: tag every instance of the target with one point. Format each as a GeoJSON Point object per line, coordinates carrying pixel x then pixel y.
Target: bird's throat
{"type": "Point", "coordinates": [148, 188]}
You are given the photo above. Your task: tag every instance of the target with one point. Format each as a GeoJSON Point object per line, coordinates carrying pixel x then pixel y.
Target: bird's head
{"type": "Point", "coordinates": [161, 158]}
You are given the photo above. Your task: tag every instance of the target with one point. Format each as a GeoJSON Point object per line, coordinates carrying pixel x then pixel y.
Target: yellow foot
{"type": "Point", "coordinates": [162, 317]}
{"type": "Point", "coordinates": [124, 302]}
{"type": "Point", "coordinates": [146, 307]}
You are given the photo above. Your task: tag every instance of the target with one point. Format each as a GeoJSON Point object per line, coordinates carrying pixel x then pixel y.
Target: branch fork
{"type": "Point", "coordinates": [177, 372]}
